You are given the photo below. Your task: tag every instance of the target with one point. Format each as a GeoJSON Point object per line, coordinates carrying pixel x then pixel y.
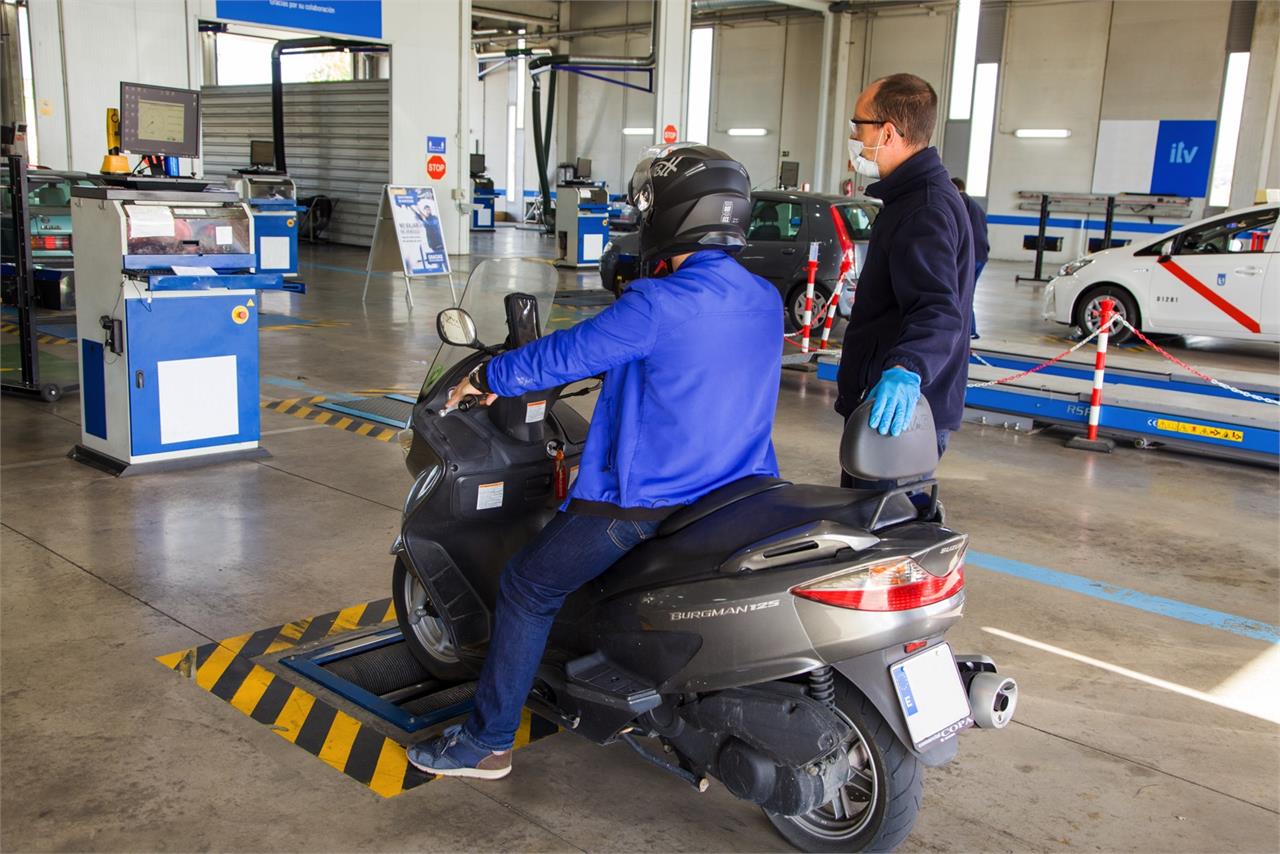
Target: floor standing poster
{"type": "Point", "coordinates": [408, 237]}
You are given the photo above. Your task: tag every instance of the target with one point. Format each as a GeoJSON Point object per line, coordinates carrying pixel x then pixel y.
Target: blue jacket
{"type": "Point", "coordinates": [692, 362]}
{"type": "Point", "coordinates": [915, 291]}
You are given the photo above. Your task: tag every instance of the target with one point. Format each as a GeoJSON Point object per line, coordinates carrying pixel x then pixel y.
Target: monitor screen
{"type": "Point", "coordinates": [159, 120]}
{"type": "Point", "coordinates": [262, 152]}
{"type": "Point", "coordinates": [789, 174]}
{"type": "Point", "coordinates": [477, 164]}
{"type": "Point", "coordinates": [582, 168]}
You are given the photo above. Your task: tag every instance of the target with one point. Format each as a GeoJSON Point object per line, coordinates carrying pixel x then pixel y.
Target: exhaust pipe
{"type": "Point", "coordinates": [993, 699]}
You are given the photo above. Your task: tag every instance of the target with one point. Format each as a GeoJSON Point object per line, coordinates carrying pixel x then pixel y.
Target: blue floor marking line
{"type": "Point", "coordinates": [1132, 598]}
{"type": "Point", "coordinates": [284, 382]}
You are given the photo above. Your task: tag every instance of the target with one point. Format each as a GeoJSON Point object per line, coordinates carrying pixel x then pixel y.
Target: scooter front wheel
{"type": "Point", "coordinates": [423, 630]}
{"type": "Point", "coordinates": [877, 808]}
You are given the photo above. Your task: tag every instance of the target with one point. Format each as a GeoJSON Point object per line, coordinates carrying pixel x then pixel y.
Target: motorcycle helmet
{"type": "Point", "coordinates": [689, 197]}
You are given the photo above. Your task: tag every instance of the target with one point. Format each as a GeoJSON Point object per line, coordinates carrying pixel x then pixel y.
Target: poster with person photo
{"type": "Point", "coordinates": [418, 231]}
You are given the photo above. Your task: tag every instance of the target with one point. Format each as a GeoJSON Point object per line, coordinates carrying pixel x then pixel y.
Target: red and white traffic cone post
{"type": "Point", "coordinates": [1090, 441]}
{"type": "Point", "coordinates": [846, 273]}
{"type": "Point", "coordinates": [808, 298]}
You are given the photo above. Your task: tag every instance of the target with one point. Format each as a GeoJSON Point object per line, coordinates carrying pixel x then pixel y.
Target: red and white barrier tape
{"type": "Point", "coordinates": [1058, 358]}
{"type": "Point", "coordinates": [1172, 358]}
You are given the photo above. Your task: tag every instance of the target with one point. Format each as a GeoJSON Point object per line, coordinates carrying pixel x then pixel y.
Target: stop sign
{"type": "Point", "coordinates": [435, 167]}
{"type": "Point", "coordinates": [669, 133]}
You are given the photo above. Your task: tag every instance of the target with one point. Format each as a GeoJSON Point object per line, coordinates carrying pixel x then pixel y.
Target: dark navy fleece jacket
{"type": "Point", "coordinates": [915, 291]}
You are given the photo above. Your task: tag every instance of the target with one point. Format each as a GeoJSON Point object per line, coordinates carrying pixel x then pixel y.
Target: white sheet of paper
{"type": "Point", "coordinates": [193, 271]}
{"type": "Point", "coordinates": [149, 221]}
{"type": "Point", "coordinates": [592, 247]}
{"type": "Point", "coordinates": [222, 234]}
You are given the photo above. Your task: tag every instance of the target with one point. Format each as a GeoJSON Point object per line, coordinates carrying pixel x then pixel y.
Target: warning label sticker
{"type": "Point", "coordinates": [535, 412]}
{"type": "Point", "coordinates": [489, 496]}
{"type": "Point", "coordinates": [1200, 430]}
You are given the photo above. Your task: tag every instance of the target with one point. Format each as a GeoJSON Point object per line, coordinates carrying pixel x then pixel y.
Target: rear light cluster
{"type": "Point", "coordinates": [50, 241]}
{"type": "Point", "coordinates": [897, 585]}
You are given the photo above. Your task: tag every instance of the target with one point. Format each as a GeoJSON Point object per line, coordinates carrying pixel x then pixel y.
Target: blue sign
{"type": "Point", "coordinates": [1184, 157]}
{"type": "Point", "coordinates": [345, 17]}
{"type": "Point", "coordinates": [435, 145]}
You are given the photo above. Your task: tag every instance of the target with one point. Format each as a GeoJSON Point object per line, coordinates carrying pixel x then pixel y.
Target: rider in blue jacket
{"type": "Point", "coordinates": [691, 360]}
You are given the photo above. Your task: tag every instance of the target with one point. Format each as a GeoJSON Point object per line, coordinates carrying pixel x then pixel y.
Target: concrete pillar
{"type": "Point", "coordinates": [671, 70]}
{"type": "Point", "coordinates": [839, 33]}
{"type": "Point", "coordinates": [430, 60]}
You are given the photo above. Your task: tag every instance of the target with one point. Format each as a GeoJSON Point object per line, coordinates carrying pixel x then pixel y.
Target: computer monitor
{"type": "Point", "coordinates": [789, 174]}
{"type": "Point", "coordinates": [159, 120]}
{"type": "Point", "coordinates": [582, 168]}
{"type": "Point", "coordinates": [477, 164]}
{"type": "Point", "coordinates": [262, 152]}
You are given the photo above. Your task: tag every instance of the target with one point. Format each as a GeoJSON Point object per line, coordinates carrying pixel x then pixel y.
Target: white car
{"type": "Point", "coordinates": [1219, 276]}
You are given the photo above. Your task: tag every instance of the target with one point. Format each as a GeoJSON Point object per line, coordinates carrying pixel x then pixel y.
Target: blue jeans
{"type": "Point", "coordinates": [572, 550]}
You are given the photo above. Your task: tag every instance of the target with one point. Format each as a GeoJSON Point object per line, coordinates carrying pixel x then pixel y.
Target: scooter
{"type": "Point", "coordinates": [784, 639]}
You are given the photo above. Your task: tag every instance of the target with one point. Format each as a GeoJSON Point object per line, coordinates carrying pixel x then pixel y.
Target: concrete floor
{"type": "Point", "coordinates": [1138, 731]}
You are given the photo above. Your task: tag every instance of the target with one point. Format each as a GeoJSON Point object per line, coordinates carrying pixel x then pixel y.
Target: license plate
{"type": "Point", "coordinates": [932, 696]}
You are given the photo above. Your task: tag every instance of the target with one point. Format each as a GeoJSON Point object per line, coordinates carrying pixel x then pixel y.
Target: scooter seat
{"type": "Point", "coordinates": [718, 500]}
{"type": "Point", "coordinates": [703, 543]}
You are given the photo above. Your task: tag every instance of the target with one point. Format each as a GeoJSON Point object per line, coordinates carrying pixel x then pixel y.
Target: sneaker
{"type": "Point", "coordinates": [454, 754]}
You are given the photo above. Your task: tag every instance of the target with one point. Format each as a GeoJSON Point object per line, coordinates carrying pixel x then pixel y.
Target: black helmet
{"type": "Point", "coordinates": [690, 197]}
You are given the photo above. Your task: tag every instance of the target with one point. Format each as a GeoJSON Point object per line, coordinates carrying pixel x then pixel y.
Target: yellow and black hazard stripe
{"type": "Point", "coordinates": [41, 338]}
{"type": "Point", "coordinates": [313, 324]}
{"type": "Point", "coordinates": [305, 407]}
{"type": "Point", "coordinates": [226, 669]}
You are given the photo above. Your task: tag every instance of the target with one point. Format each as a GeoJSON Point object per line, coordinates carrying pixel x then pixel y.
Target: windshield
{"type": "Point", "coordinates": [483, 297]}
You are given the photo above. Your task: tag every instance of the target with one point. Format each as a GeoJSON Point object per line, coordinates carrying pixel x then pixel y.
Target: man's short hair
{"type": "Point", "coordinates": [910, 103]}
{"type": "Point", "coordinates": [959, 182]}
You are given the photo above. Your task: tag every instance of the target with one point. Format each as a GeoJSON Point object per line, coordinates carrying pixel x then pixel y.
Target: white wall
{"type": "Point", "coordinates": [102, 45]}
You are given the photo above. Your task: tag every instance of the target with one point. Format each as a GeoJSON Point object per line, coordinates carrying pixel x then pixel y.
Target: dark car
{"type": "Point", "coordinates": [782, 226]}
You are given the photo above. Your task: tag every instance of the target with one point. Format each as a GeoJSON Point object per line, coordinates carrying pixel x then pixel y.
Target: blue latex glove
{"type": "Point", "coordinates": [895, 399]}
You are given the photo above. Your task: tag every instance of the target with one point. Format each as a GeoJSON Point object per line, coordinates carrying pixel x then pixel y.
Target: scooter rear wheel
{"type": "Point", "coordinates": [423, 632]}
{"type": "Point", "coordinates": [877, 809]}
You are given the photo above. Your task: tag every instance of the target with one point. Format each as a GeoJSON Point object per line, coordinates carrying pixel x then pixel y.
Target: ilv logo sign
{"type": "Point", "coordinates": [1181, 154]}
{"type": "Point", "coordinates": [1171, 157]}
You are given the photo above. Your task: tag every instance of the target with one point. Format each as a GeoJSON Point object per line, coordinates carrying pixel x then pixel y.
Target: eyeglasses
{"type": "Point", "coordinates": [853, 123]}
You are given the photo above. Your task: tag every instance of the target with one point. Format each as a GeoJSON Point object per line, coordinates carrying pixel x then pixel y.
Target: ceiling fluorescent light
{"type": "Point", "coordinates": [747, 131]}
{"type": "Point", "coordinates": [637, 131]}
{"type": "Point", "coordinates": [1042, 133]}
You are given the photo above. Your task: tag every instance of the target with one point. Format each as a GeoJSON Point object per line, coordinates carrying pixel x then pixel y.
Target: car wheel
{"type": "Point", "coordinates": [795, 306]}
{"type": "Point", "coordinates": [1088, 311]}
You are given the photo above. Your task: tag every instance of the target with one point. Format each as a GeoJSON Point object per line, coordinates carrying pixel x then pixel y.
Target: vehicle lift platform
{"type": "Point", "coordinates": [1150, 407]}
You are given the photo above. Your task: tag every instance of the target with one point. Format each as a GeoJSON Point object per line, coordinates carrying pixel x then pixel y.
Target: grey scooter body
{"type": "Point", "coordinates": [702, 613]}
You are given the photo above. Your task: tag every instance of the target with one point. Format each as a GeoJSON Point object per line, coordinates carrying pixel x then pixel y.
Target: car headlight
{"type": "Point", "coordinates": [1075, 266]}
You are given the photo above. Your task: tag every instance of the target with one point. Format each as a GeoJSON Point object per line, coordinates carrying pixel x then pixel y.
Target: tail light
{"type": "Point", "coordinates": [50, 241]}
{"type": "Point", "coordinates": [846, 242]}
{"type": "Point", "coordinates": [897, 585]}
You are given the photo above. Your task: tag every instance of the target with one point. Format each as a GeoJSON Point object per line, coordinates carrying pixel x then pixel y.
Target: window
{"type": "Point", "coordinates": [245, 60]}
{"type": "Point", "coordinates": [981, 128]}
{"type": "Point", "coordinates": [775, 220]}
{"type": "Point", "coordinates": [1224, 159]}
{"type": "Point", "coordinates": [1245, 233]}
{"type": "Point", "coordinates": [701, 42]}
{"type": "Point", "coordinates": [858, 219]}
{"type": "Point", "coordinates": [962, 60]}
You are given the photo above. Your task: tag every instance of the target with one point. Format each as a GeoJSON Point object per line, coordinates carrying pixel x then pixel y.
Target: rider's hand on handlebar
{"type": "Point", "coordinates": [465, 389]}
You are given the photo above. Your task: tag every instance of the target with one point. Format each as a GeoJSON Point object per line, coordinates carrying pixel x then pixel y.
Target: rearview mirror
{"type": "Point", "coordinates": [455, 326]}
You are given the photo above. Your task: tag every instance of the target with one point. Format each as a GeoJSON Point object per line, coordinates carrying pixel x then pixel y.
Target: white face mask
{"type": "Point", "coordinates": [862, 165]}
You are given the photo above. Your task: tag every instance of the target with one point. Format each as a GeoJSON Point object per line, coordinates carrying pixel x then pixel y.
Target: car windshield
{"type": "Point", "coordinates": [483, 297]}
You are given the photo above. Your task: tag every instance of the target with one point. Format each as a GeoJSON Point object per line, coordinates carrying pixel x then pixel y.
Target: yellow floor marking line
{"type": "Point", "coordinates": [305, 408]}
{"type": "Point", "coordinates": [228, 670]}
